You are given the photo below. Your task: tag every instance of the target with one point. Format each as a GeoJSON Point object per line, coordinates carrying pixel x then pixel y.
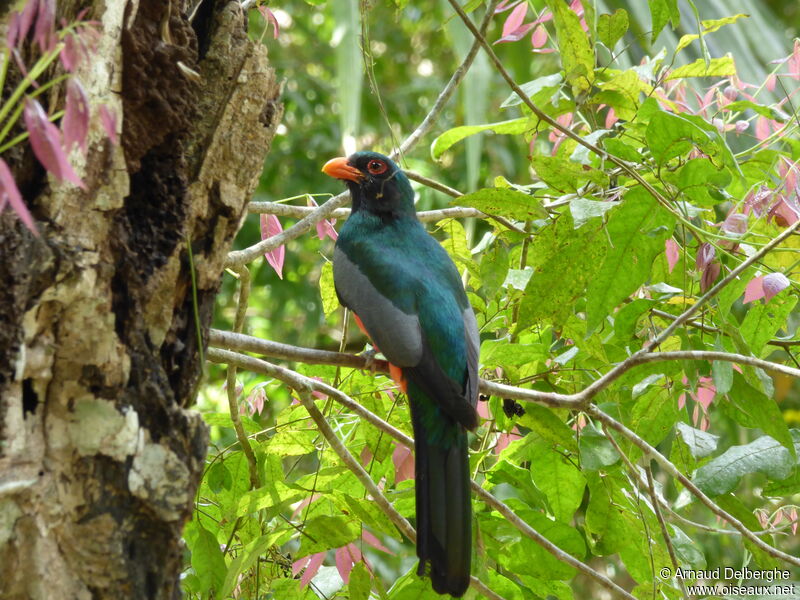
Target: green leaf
{"type": "Point", "coordinates": [662, 11]}
{"type": "Point", "coordinates": [765, 111]}
{"type": "Point", "coordinates": [637, 230]}
{"type": "Point", "coordinates": [611, 28]}
{"type": "Point", "coordinates": [520, 480]}
{"type": "Point", "coordinates": [700, 443]}
{"type": "Point", "coordinates": [596, 451]}
{"type": "Point", "coordinates": [698, 177]}
{"type": "Point", "coordinates": [248, 555]}
{"type": "Point", "coordinates": [560, 479]}
{"type": "Point", "coordinates": [622, 150]}
{"type": "Point", "coordinates": [574, 47]}
{"type": "Point", "coordinates": [549, 426]}
{"type": "Point", "coordinates": [504, 203]}
{"type": "Point", "coordinates": [564, 259]}
{"type": "Point", "coordinates": [717, 67]}
{"type": "Point", "coordinates": [653, 416]}
{"type": "Point", "coordinates": [368, 513]}
{"type": "Point", "coordinates": [323, 533]}
{"type": "Point", "coordinates": [752, 408]}
{"type": "Point", "coordinates": [785, 487]}
{"type": "Point", "coordinates": [360, 582]}
{"type": "Point", "coordinates": [327, 290]}
{"type": "Point", "coordinates": [765, 455]}
{"type": "Point", "coordinates": [628, 316]}
{"type": "Point", "coordinates": [502, 353]}
{"type": "Point", "coordinates": [583, 210]}
{"type": "Point", "coordinates": [722, 373]}
{"type": "Point", "coordinates": [543, 86]}
{"type": "Point", "coordinates": [709, 26]}
{"type": "Point", "coordinates": [565, 175]}
{"type": "Point", "coordinates": [207, 560]}
{"type": "Point", "coordinates": [452, 136]}
{"type": "Point", "coordinates": [224, 420]}
{"type": "Point", "coordinates": [456, 242]}
{"type": "Point", "coordinates": [764, 320]}
{"type": "Point", "coordinates": [671, 135]}
{"type": "Point", "coordinates": [493, 269]}
{"type": "Point", "coordinates": [292, 442]}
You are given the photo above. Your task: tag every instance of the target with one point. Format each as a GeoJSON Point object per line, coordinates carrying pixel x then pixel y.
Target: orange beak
{"type": "Point", "coordinates": [339, 168]}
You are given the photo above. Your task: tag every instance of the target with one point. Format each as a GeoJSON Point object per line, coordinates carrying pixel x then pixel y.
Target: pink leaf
{"type": "Point", "coordinates": [517, 34]}
{"type": "Point", "coordinates": [46, 143]}
{"type": "Point", "coordinates": [324, 227]}
{"type": "Point", "coordinates": [71, 53]}
{"type": "Point", "coordinates": [681, 401]}
{"type": "Point", "coordinates": [515, 19]}
{"type": "Point", "coordinates": [539, 37]}
{"type": "Point", "coordinates": [705, 254]}
{"type": "Point", "coordinates": [794, 60]}
{"type": "Point", "coordinates": [611, 118]}
{"type": "Point", "coordinates": [403, 463]}
{"type": "Point", "coordinates": [12, 33]}
{"type": "Point", "coordinates": [271, 226]}
{"type": "Point", "coordinates": [783, 213]}
{"type": "Point", "coordinates": [504, 439]}
{"type": "Point", "coordinates": [366, 456]}
{"type": "Point", "coordinates": [762, 128]}
{"type": "Point", "coordinates": [505, 5]}
{"type": "Point", "coordinates": [754, 290]}
{"type": "Point", "coordinates": [313, 566]}
{"type": "Point", "coordinates": [9, 194]}
{"type": "Point", "coordinates": [346, 557]}
{"type": "Point", "coordinates": [374, 542]}
{"type": "Point", "coordinates": [26, 19]}
{"type": "Point", "coordinates": [269, 16]}
{"type": "Point", "coordinates": [76, 116]}
{"type": "Point", "coordinates": [774, 283]}
{"type": "Point", "coordinates": [672, 251]}
{"type": "Point", "coordinates": [109, 121]}
{"type": "Point", "coordinates": [45, 29]}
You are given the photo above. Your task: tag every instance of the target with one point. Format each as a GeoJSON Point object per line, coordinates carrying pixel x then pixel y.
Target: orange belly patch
{"type": "Point", "coordinates": [396, 373]}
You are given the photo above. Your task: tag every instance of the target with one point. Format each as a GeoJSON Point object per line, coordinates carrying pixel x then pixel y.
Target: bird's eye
{"type": "Point", "coordinates": [376, 167]}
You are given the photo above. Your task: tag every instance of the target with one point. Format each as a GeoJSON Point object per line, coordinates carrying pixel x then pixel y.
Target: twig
{"type": "Point", "coordinates": [233, 405]}
{"type": "Point", "coordinates": [662, 524]}
{"type": "Point", "coordinates": [649, 450]}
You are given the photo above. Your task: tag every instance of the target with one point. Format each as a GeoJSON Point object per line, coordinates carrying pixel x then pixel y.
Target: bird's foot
{"type": "Point", "coordinates": [369, 359]}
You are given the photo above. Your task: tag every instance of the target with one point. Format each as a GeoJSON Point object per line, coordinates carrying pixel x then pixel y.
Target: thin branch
{"type": "Point", "coordinates": [663, 525]}
{"type": "Point", "coordinates": [444, 96]}
{"type": "Point", "coordinates": [649, 450]}
{"type": "Point", "coordinates": [602, 383]}
{"type": "Point", "coordinates": [433, 184]}
{"type": "Point", "coordinates": [233, 405]}
{"type": "Point", "coordinates": [712, 329]}
{"type": "Point", "coordinates": [238, 341]}
{"type": "Point", "coordinates": [294, 379]}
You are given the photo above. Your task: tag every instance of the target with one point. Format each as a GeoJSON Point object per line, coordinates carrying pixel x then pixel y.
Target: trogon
{"type": "Point", "coordinates": [407, 296]}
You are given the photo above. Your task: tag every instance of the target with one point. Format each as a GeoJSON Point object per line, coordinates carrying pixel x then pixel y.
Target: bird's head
{"type": "Point", "coordinates": [377, 185]}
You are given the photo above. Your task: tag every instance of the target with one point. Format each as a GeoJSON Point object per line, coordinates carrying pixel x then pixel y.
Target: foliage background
{"type": "Point", "coordinates": [413, 50]}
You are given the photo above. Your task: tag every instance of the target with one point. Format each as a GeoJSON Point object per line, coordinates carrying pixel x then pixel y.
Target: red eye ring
{"type": "Point", "coordinates": [377, 167]}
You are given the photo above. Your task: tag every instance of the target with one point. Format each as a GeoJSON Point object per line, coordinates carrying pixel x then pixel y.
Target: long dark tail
{"type": "Point", "coordinates": [444, 510]}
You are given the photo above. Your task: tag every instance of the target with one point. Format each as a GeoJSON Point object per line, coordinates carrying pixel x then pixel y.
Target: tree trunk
{"type": "Point", "coordinates": [100, 316]}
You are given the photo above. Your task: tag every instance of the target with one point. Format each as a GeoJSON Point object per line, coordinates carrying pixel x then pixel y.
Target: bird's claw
{"type": "Point", "coordinates": [369, 359]}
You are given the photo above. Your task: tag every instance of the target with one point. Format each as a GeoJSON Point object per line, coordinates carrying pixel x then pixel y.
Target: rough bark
{"type": "Point", "coordinates": [99, 355]}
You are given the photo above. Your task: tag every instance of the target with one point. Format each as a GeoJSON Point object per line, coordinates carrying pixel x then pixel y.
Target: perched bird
{"type": "Point", "coordinates": [407, 296]}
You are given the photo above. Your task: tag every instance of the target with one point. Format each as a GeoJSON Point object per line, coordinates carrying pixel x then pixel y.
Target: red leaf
{"type": "Point", "coordinates": [794, 61]}
{"type": "Point", "coordinates": [12, 33]}
{"type": "Point", "coordinates": [403, 464]}
{"type": "Point", "coordinates": [271, 226]}
{"type": "Point", "coordinates": [9, 194]}
{"type": "Point", "coordinates": [710, 274]}
{"type": "Point", "coordinates": [46, 143]}
{"type": "Point", "coordinates": [346, 557]}
{"type": "Point", "coordinates": [109, 122]}
{"type": "Point", "coordinates": [672, 253]}
{"type": "Point", "coordinates": [26, 19]}
{"type": "Point", "coordinates": [324, 227]}
{"type": "Point", "coordinates": [774, 283]}
{"type": "Point", "coordinates": [76, 116]}
{"type": "Point", "coordinates": [313, 566]}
